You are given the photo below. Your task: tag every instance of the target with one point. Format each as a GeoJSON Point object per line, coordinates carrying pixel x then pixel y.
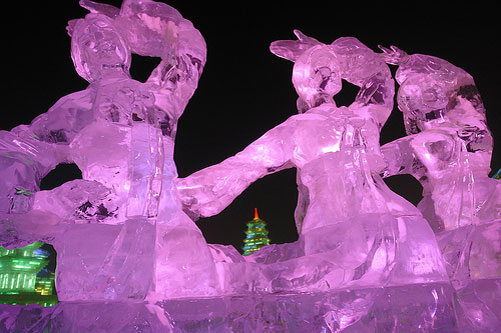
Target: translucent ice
{"type": "Point", "coordinates": [415, 308]}
{"type": "Point", "coordinates": [448, 149]}
{"type": "Point", "coordinates": [119, 232]}
{"type": "Point", "coordinates": [353, 230]}
{"type": "Point", "coordinates": [130, 259]}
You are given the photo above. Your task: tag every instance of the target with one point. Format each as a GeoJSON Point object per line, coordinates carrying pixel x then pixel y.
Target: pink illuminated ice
{"type": "Point", "coordinates": [448, 149]}
{"type": "Point", "coordinates": [353, 230]}
{"type": "Point", "coordinates": [119, 232]}
{"type": "Point", "coordinates": [128, 252]}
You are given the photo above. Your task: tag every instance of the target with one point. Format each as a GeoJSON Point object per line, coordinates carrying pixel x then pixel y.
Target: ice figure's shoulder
{"type": "Point", "coordinates": [308, 117]}
{"type": "Point", "coordinates": [82, 99]}
{"type": "Point", "coordinates": [65, 118]}
{"type": "Point", "coordinates": [319, 113]}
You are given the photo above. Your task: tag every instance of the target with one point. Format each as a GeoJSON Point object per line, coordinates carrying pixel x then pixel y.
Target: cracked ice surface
{"type": "Point", "coordinates": [130, 258]}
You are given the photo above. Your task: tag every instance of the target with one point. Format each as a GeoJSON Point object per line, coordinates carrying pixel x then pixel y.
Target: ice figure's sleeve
{"type": "Point", "coordinates": [175, 79]}
{"type": "Point", "coordinates": [156, 29]}
{"type": "Point", "coordinates": [362, 67]}
{"type": "Point", "coordinates": [29, 152]}
{"type": "Point", "coordinates": [208, 191]}
{"type": "Point", "coordinates": [400, 158]}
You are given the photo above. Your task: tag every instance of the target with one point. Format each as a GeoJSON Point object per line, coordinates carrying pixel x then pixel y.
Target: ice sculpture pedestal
{"type": "Point", "coordinates": [418, 307]}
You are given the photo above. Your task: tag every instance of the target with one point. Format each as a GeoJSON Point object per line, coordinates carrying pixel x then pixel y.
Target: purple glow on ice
{"type": "Point", "coordinates": [129, 254]}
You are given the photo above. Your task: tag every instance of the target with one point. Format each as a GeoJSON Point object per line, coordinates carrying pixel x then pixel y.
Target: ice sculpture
{"type": "Point", "coordinates": [130, 259]}
{"type": "Point", "coordinates": [120, 233]}
{"type": "Point", "coordinates": [353, 230]}
{"type": "Point", "coordinates": [448, 149]}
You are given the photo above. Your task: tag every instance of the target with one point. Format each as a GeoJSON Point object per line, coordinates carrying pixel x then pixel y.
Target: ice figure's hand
{"type": "Point", "coordinates": [292, 49]}
{"type": "Point", "coordinates": [188, 197]}
{"type": "Point", "coordinates": [81, 199]}
{"type": "Point", "coordinates": [102, 8]}
{"type": "Point", "coordinates": [197, 199]}
{"type": "Point", "coordinates": [151, 28]}
{"type": "Point", "coordinates": [393, 55]}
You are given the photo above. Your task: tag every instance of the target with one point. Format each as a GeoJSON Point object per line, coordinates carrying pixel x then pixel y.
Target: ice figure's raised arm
{"type": "Point", "coordinates": [157, 30]}
{"type": "Point", "coordinates": [177, 79]}
{"type": "Point", "coordinates": [208, 191]}
{"type": "Point", "coordinates": [362, 67]}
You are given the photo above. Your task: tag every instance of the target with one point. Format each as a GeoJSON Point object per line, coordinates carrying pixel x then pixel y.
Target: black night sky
{"type": "Point", "coordinates": [245, 90]}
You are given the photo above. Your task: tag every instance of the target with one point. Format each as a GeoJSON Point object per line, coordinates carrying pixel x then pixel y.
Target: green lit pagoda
{"type": "Point", "coordinates": [257, 235]}
{"type": "Point", "coordinates": [23, 280]}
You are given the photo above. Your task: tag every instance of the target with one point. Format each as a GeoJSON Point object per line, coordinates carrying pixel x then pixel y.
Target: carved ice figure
{"type": "Point", "coordinates": [448, 149]}
{"type": "Point", "coordinates": [353, 230]}
{"type": "Point", "coordinates": [119, 232]}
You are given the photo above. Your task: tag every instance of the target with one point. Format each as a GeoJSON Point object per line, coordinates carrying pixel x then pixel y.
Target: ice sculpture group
{"type": "Point", "coordinates": [123, 237]}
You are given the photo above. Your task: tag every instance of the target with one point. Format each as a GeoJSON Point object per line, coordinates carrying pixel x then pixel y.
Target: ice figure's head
{"type": "Point", "coordinates": [319, 70]}
{"type": "Point", "coordinates": [421, 100]}
{"type": "Point", "coordinates": [97, 47]}
{"type": "Point", "coordinates": [316, 74]}
{"type": "Point", "coordinates": [433, 90]}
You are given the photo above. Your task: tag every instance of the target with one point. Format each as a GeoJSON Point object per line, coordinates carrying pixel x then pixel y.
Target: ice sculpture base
{"type": "Point", "coordinates": [418, 307]}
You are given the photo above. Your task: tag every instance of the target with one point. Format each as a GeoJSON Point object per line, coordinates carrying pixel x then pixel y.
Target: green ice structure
{"type": "Point", "coordinates": [23, 279]}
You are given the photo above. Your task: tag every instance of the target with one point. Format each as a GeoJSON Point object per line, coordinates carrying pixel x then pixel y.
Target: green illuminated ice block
{"type": "Point", "coordinates": [19, 268]}
{"type": "Point", "coordinates": [21, 281]}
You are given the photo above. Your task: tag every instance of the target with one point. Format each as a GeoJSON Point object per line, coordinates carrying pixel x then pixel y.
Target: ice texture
{"type": "Point", "coordinates": [129, 259]}
{"type": "Point", "coordinates": [415, 308]}
{"type": "Point", "coordinates": [448, 147]}
{"type": "Point", "coordinates": [119, 232]}
{"type": "Point", "coordinates": [448, 150]}
{"type": "Point", "coordinates": [353, 230]}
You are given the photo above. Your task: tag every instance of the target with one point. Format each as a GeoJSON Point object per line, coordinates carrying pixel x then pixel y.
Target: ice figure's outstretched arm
{"type": "Point", "coordinates": [400, 158]}
{"type": "Point", "coordinates": [208, 191]}
{"type": "Point", "coordinates": [29, 152]}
